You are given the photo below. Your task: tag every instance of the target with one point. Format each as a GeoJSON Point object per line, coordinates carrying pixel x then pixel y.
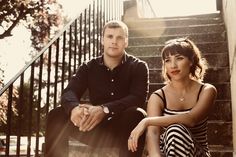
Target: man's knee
{"type": "Point", "coordinates": [56, 114]}
{"type": "Point", "coordinates": [135, 113]}
{"type": "Point", "coordinates": [132, 116]}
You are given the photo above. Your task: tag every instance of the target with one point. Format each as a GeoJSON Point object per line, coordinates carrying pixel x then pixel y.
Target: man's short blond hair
{"type": "Point", "coordinates": [116, 24]}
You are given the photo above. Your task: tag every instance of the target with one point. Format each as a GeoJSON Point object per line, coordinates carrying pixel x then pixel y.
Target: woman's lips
{"type": "Point", "coordinates": [175, 72]}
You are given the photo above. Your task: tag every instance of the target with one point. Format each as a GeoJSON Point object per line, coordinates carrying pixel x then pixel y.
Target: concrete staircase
{"type": "Point", "coordinates": [147, 37]}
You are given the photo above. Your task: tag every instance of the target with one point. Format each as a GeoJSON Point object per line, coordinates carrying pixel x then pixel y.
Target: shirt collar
{"type": "Point", "coordinates": [124, 59]}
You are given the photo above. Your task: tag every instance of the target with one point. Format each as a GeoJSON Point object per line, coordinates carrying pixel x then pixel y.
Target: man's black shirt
{"type": "Point", "coordinates": [118, 89]}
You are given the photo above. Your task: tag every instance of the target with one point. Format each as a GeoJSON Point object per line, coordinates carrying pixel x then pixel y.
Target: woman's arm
{"type": "Point", "coordinates": [154, 108]}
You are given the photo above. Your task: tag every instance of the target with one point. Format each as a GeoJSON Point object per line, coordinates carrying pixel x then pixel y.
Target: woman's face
{"type": "Point", "coordinates": [177, 66]}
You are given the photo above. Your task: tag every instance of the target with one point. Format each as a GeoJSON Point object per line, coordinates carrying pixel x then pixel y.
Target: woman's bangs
{"type": "Point", "coordinates": [172, 50]}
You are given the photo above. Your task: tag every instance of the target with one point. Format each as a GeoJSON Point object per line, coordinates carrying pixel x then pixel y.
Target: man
{"type": "Point", "coordinates": [117, 84]}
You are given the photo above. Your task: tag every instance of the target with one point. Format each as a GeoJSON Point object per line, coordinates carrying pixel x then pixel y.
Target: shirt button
{"type": "Point", "coordinates": [112, 93]}
{"type": "Point", "coordinates": [112, 80]}
{"type": "Point", "coordinates": [112, 113]}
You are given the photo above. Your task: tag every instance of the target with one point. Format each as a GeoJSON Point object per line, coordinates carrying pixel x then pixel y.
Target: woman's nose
{"type": "Point", "coordinates": [173, 64]}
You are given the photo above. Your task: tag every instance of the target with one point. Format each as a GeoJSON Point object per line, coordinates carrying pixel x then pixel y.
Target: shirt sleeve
{"type": "Point", "coordinates": [137, 91]}
{"type": "Point", "coordinates": [73, 92]}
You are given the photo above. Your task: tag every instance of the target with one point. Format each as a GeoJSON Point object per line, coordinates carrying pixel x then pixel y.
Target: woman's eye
{"type": "Point", "coordinates": [180, 58]}
{"type": "Point", "coordinates": [167, 60]}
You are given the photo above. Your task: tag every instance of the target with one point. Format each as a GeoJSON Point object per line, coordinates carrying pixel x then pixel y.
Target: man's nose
{"type": "Point", "coordinates": [114, 40]}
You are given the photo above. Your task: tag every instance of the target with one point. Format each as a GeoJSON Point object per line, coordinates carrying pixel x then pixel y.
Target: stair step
{"type": "Point", "coordinates": [158, 31]}
{"type": "Point", "coordinates": [223, 89]}
{"type": "Point", "coordinates": [168, 22]}
{"type": "Point", "coordinates": [216, 14]}
{"type": "Point", "coordinates": [217, 60]}
{"type": "Point", "coordinates": [220, 133]}
{"type": "Point", "coordinates": [160, 40]}
{"type": "Point", "coordinates": [78, 149]}
{"type": "Point", "coordinates": [219, 74]}
{"type": "Point", "coordinates": [221, 111]}
{"type": "Point", "coordinates": [154, 50]}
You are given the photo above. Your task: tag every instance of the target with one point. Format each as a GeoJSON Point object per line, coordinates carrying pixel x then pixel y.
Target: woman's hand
{"type": "Point", "coordinates": [156, 155]}
{"type": "Point", "coordinates": [135, 134]}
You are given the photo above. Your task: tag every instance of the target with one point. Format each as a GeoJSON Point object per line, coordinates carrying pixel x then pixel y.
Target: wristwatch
{"type": "Point", "coordinates": [105, 109]}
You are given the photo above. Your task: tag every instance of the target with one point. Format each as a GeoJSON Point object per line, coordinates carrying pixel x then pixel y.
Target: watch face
{"type": "Point", "coordinates": [105, 109]}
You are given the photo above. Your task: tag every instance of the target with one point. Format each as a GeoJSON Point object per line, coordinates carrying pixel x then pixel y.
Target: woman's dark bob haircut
{"type": "Point", "coordinates": [185, 47]}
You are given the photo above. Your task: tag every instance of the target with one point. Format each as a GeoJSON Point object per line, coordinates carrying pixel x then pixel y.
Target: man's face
{"type": "Point", "coordinates": [114, 41]}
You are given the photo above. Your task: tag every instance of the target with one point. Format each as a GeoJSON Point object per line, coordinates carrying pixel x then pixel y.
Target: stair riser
{"type": "Point", "coordinates": [221, 111]}
{"type": "Point", "coordinates": [170, 23]}
{"type": "Point", "coordinates": [213, 75]}
{"type": "Point", "coordinates": [214, 60]}
{"type": "Point", "coordinates": [137, 41]}
{"type": "Point", "coordinates": [223, 90]}
{"type": "Point", "coordinates": [154, 50]}
{"type": "Point", "coordinates": [221, 154]}
{"type": "Point", "coordinates": [157, 31]}
{"type": "Point", "coordinates": [220, 134]}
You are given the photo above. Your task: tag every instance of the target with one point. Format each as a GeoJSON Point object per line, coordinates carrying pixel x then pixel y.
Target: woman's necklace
{"type": "Point", "coordinates": [182, 96]}
{"type": "Point", "coordinates": [181, 99]}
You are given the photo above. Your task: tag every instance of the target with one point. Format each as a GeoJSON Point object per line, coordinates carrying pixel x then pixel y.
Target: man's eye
{"type": "Point", "coordinates": [120, 38]}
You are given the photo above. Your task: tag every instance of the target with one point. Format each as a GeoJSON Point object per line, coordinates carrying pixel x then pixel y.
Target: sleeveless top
{"type": "Point", "coordinates": [199, 132]}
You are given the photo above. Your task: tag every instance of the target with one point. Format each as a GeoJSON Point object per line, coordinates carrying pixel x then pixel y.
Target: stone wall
{"type": "Point", "coordinates": [229, 14]}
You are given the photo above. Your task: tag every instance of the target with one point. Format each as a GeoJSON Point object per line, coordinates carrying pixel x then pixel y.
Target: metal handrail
{"type": "Point", "coordinates": [146, 8]}
{"type": "Point", "coordinates": [5, 87]}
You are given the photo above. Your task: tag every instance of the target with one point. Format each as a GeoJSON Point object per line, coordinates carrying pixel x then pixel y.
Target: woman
{"type": "Point", "coordinates": [181, 107]}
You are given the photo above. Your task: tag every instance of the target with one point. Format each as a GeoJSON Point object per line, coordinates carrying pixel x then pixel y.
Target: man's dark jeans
{"type": "Point", "coordinates": [109, 133]}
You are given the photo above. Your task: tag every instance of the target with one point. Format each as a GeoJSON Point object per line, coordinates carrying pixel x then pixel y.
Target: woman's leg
{"type": "Point", "coordinates": [178, 141]}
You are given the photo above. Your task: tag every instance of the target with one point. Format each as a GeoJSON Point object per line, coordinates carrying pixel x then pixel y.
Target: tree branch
{"type": "Point", "coordinates": [22, 14]}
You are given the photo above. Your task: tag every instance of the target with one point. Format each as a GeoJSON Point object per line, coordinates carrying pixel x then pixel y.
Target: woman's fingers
{"type": "Point", "coordinates": [133, 143]}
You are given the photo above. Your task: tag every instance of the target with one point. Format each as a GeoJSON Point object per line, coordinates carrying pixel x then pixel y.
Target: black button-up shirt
{"type": "Point", "coordinates": [118, 89]}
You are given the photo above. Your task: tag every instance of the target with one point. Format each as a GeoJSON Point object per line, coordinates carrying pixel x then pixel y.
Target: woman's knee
{"type": "Point", "coordinates": [178, 132]}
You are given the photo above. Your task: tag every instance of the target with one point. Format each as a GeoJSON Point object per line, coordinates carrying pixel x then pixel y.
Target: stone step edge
{"type": "Point", "coordinates": [176, 27]}
{"type": "Point", "coordinates": [204, 15]}
{"type": "Point", "coordinates": [212, 148]}
{"type": "Point", "coordinates": [173, 35]}
{"type": "Point", "coordinates": [197, 43]}
{"type": "Point", "coordinates": [220, 148]}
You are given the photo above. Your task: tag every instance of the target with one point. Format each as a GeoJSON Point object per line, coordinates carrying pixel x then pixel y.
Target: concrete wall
{"type": "Point", "coordinates": [229, 14]}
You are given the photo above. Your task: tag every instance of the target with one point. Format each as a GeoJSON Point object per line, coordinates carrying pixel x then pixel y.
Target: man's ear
{"type": "Point", "coordinates": [102, 40]}
{"type": "Point", "coordinates": [126, 42]}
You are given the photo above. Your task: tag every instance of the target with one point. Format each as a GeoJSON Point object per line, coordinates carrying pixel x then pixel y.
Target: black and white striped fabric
{"type": "Point", "coordinates": [178, 140]}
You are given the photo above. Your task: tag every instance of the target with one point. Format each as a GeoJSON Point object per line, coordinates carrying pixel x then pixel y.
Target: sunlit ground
{"type": "Point", "coordinates": [14, 50]}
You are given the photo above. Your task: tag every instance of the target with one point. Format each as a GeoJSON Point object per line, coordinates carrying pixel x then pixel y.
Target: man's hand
{"type": "Point", "coordinates": [77, 114]}
{"type": "Point", "coordinates": [94, 117]}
